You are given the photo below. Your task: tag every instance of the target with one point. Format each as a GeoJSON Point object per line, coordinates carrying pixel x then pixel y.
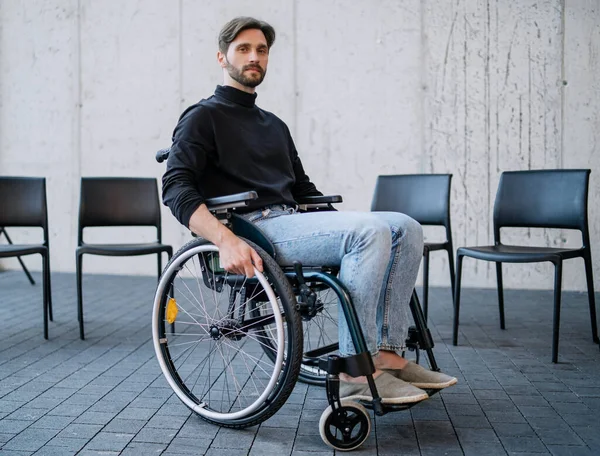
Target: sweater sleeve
{"type": "Point", "coordinates": [303, 186]}
{"type": "Point", "coordinates": [193, 144]}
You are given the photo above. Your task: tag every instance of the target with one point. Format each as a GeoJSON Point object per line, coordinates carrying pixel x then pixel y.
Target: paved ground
{"type": "Point", "coordinates": [105, 395]}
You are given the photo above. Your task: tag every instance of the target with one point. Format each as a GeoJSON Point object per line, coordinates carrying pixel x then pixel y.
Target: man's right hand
{"type": "Point", "coordinates": [238, 257]}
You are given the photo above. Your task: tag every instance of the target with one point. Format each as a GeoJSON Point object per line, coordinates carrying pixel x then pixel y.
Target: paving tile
{"type": "Point", "coordinates": [466, 435]}
{"type": "Point", "coordinates": [94, 417]}
{"type": "Point", "coordinates": [153, 435]}
{"type": "Point", "coordinates": [8, 426]}
{"type": "Point", "coordinates": [30, 439]}
{"type": "Point", "coordinates": [70, 443]}
{"type": "Point", "coordinates": [532, 444]}
{"type": "Point", "coordinates": [230, 438]}
{"type": "Point", "coordinates": [475, 422]}
{"type": "Point", "coordinates": [80, 430]}
{"type": "Point", "coordinates": [188, 445]}
{"type": "Point", "coordinates": [514, 430]}
{"type": "Point", "coordinates": [52, 422]}
{"type": "Point", "coordinates": [226, 452]}
{"type": "Point", "coordinates": [494, 416]}
{"type": "Point", "coordinates": [136, 413]}
{"type": "Point", "coordinates": [478, 449]}
{"type": "Point", "coordinates": [7, 452]}
{"type": "Point", "coordinates": [554, 437]}
{"type": "Point", "coordinates": [54, 451]}
{"type": "Point", "coordinates": [26, 414]}
{"type": "Point", "coordinates": [144, 449]}
{"type": "Point", "coordinates": [109, 441]}
{"type": "Point", "coordinates": [570, 450]}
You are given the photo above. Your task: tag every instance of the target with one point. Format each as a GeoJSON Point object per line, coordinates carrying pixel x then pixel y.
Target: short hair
{"type": "Point", "coordinates": [237, 25]}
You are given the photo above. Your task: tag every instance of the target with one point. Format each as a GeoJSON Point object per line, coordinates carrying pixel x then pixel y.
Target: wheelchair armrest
{"type": "Point", "coordinates": [221, 203]}
{"type": "Point", "coordinates": [308, 203]}
{"type": "Point", "coordinates": [163, 154]}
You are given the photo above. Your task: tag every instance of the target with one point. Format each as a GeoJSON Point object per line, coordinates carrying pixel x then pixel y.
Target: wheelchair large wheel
{"type": "Point", "coordinates": [208, 328]}
{"type": "Point", "coordinates": [319, 327]}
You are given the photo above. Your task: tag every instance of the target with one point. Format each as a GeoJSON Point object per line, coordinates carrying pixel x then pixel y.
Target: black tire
{"type": "Point", "coordinates": [346, 428]}
{"type": "Point", "coordinates": [213, 327]}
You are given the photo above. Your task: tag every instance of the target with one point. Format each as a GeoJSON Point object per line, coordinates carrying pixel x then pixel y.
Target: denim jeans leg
{"type": "Point", "coordinates": [393, 310]}
{"type": "Point", "coordinates": [368, 247]}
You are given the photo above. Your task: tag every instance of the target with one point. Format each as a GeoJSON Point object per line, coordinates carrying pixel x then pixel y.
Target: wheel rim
{"type": "Point", "coordinates": [215, 360]}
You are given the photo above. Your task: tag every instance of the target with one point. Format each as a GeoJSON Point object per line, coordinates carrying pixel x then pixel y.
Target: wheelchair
{"type": "Point", "coordinates": [232, 347]}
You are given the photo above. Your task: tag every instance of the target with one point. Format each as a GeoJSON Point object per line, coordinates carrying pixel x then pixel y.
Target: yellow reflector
{"type": "Point", "coordinates": [172, 310]}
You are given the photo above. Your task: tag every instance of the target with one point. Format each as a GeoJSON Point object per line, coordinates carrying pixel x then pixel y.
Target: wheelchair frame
{"type": "Point", "coordinates": [343, 415]}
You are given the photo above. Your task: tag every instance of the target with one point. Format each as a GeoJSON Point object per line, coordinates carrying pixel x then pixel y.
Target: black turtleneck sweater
{"type": "Point", "coordinates": [226, 144]}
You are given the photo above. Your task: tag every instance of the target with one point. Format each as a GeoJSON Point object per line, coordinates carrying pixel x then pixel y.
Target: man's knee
{"type": "Point", "coordinates": [413, 232]}
{"type": "Point", "coordinates": [408, 230]}
{"type": "Point", "coordinates": [371, 231]}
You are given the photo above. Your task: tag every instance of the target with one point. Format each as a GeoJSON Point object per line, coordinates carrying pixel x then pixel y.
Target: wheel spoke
{"type": "Point", "coordinates": [219, 360]}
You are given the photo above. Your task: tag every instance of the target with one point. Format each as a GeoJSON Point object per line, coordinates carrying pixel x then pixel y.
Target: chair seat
{"type": "Point", "coordinates": [518, 253]}
{"type": "Point", "coordinates": [433, 246]}
{"type": "Point", "coordinates": [123, 249]}
{"type": "Point", "coordinates": [11, 250]}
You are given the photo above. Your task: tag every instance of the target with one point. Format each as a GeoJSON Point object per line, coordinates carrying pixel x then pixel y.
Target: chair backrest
{"type": "Point", "coordinates": [424, 197]}
{"type": "Point", "coordinates": [119, 201]}
{"type": "Point", "coordinates": [555, 198]}
{"type": "Point", "coordinates": [23, 202]}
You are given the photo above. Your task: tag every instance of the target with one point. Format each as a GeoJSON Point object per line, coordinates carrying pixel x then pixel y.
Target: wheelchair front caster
{"type": "Point", "coordinates": [346, 427]}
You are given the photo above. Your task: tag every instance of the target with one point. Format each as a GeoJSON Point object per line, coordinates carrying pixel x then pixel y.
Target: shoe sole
{"type": "Point", "coordinates": [454, 381]}
{"type": "Point", "coordinates": [389, 400]}
{"type": "Point", "coordinates": [423, 385]}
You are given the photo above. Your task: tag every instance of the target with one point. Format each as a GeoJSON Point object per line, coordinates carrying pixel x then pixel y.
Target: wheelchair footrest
{"type": "Point", "coordinates": [388, 408]}
{"type": "Point", "coordinates": [355, 365]}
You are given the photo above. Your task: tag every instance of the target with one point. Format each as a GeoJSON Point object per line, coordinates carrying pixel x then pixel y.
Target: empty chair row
{"type": "Point", "coordinates": [104, 202]}
{"type": "Point", "coordinates": [525, 199]}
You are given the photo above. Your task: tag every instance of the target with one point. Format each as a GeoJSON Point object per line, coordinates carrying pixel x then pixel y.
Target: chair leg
{"type": "Point", "coordinates": [459, 259]}
{"type": "Point", "coordinates": [46, 292]}
{"type": "Point", "coordinates": [47, 278]}
{"type": "Point", "coordinates": [500, 294]}
{"type": "Point", "coordinates": [557, 294]}
{"type": "Point", "coordinates": [25, 270]}
{"type": "Point", "coordinates": [451, 268]}
{"type": "Point", "coordinates": [426, 284]}
{"type": "Point", "coordinates": [425, 340]}
{"type": "Point", "coordinates": [78, 265]}
{"type": "Point", "coordinates": [589, 275]}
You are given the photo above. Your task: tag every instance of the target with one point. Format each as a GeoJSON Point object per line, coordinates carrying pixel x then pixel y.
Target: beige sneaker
{"type": "Point", "coordinates": [422, 378]}
{"type": "Point", "coordinates": [391, 390]}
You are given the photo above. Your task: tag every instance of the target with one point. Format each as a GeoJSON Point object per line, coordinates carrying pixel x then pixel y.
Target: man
{"type": "Point", "coordinates": [226, 144]}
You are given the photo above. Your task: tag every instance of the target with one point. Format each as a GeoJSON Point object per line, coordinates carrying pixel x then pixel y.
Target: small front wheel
{"type": "Point", "coordinates": [346, 427]}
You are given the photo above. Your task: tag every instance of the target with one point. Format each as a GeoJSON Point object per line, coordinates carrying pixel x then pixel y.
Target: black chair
{"type": "Point", "coordinates": [25, 270]}
{"type": "Point", "coordinates": [23, 204]}
{"type": "Point", "coordinates": [117, 201]}
{"type": "Point", "coordinates": [425, 198]}
{"type": "Point", "coordinates": [537, 199]}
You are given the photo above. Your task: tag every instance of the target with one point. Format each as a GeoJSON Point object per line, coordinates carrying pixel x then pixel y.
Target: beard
{"type": "Point", "coordinates": [240, 76]}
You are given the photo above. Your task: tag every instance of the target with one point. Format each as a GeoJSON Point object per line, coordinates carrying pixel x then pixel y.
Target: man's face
{"type": "Point", "coordinates": [247, 58]}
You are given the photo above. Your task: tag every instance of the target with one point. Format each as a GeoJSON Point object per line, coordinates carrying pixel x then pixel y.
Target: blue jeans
{"type": "Point", "coordinates": [378, 254]}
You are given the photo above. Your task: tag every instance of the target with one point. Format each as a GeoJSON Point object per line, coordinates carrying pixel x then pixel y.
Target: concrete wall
{"type": "Point", "coordinates": [466, 87]}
